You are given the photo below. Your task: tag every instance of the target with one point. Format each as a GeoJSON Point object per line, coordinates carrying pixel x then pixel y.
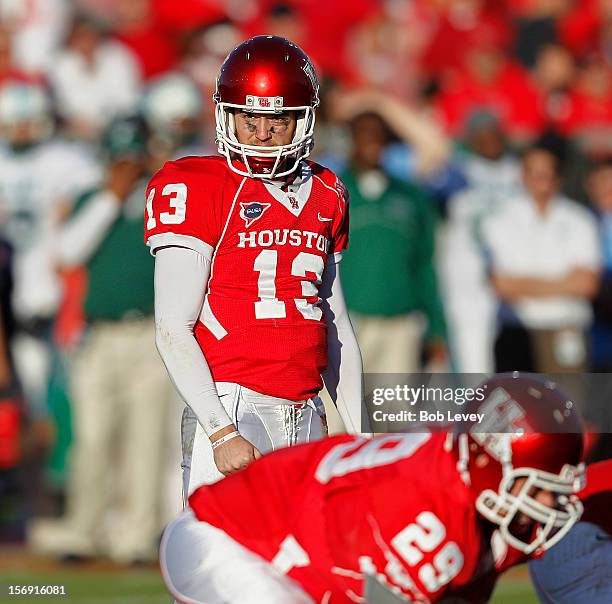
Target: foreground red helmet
{"type": "Point", "coordinates": [266, 74]}
{"type": "Point", "coordinates": [530, 432]}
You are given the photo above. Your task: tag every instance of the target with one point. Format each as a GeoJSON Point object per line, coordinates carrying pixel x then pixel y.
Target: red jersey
{"type": "Point", "coordinates": [329, 513]}
{"type": "Point", "coordinates": [261, 325]}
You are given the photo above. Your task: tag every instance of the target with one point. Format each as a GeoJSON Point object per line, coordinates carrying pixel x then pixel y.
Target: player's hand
{"type": "Point", "coordinates": [235, 454]}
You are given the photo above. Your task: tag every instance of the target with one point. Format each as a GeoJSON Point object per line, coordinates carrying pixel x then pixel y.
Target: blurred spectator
{"type": "Point", "coordinates": [173, 110]}
{"type": "Point", "coordinates": [324, 28]}
{"type": "Point", "coordinates": [599, 189]}
{"type": "Point", "coordinates": [39, 177]}
{"type": "Point", "coordinates": [144, 32]}
{"type": "Point", "coordinates": [590, 119]}
{"type": "Point", "coordinates": [6, 59]}
{"type": "Point", "coordinates": [387, 49]}
{"type": "Point", "coordinates": [327, 26]}
{"type": "Point", "coordinates": [536, 28]}
{"type": "Point", "coordinates": [492, 175]}
{"type": "Point", "coordinates": [204, 51]}
{"type": "Point", "coordinates": [487, 162]}
{"type": "Point", "coordinates": [94, 79]}
{"type": "Point", "coordinates": [6, 318]}
{"type": "Point", "coordinates": [283, 20]}
{"type": "Point", "coordinates": [587, 27]}
{"type": "Point", "coordinates": [553, 73]}
{"type": "Point", "coordinates": [544, 258]}
{"type": "Point", "coordinates": [38, 27]}
{"type": "Point", "coordinates": [388, 273]}
{"type": "Point", "coordinates": [119, 388]}
{"type": "Point", "coordinates": [12, 510]}
{"type": "Point", "coordinates": [463, 26]}
{"type": "Point", "coordinates": [491, 79]}
{"type": "Point", "coordinates": [333, 144]}
{"type": "Point", "coordinates": [187, 15]}
{"type": "Point", "coordinates": [421, 149]}
{"type": "Point", "coordinates": [8, 69]}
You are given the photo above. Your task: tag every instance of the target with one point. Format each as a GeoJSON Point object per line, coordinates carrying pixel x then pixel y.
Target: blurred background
{"type": "Point", "coordinates": [474, 136]}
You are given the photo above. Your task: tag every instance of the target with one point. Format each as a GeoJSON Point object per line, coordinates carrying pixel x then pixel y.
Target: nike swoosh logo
{"type": "Point", "coordinates": [323, 219]}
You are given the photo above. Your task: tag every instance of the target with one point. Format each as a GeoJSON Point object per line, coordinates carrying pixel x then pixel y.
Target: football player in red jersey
{"type": "Point", "coordinates": [426, 515]}
{"type": "Point", "coordinates": [249, 306]}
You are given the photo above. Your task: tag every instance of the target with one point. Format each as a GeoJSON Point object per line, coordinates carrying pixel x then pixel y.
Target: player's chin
{"type": "Point", "coordinates": [521, 525]}
{"type": "Point", "coordinates": [523, 528]}
{"type": "Point", "coordinates": [524, 522]}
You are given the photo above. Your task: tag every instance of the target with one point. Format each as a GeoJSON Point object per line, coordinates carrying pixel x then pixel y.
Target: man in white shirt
{"type": "Point", "coordinates": [544, 259]}
{"type": "Point", "coordinates": [94, 80]}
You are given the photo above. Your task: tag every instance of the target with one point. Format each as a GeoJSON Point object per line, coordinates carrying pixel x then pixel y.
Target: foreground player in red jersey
{"type": "Point", "coordinates": [249, 306]}
{"type": "Point", "coordinates": [427, 515]}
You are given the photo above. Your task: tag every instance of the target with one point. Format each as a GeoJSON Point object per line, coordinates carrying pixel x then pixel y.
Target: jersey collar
{"type": "Point", "coordinates": [297, 193]}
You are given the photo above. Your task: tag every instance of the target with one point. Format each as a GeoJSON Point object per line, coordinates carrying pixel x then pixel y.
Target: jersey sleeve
{"type": "Point", "coordinates": [340, 232]}
{"type": "Point", "coordinates": [183, 207]}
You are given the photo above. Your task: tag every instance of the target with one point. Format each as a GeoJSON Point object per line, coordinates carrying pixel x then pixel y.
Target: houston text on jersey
{"type": "Point", "coordinates": [294, 237]}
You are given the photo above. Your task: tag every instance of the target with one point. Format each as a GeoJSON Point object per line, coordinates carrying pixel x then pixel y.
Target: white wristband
{"type": "Point", "coordinates": [225, 438]}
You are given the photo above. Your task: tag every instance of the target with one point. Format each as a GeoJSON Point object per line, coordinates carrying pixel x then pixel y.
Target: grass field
{"type": "Point", "coordinates": [108, 584]}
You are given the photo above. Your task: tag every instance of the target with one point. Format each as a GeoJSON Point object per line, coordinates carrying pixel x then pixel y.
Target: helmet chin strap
{"type": "Point", "coordinates": [300, 128]}
{"type": "Point", "coordinates": [231, 126]}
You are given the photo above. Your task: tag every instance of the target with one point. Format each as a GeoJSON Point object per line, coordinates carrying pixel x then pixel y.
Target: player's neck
{"type": "Point", "coordinates": [288, 184]}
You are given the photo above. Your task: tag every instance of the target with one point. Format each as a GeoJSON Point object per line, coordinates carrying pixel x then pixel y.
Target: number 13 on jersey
{"type": "Point", "coordinates": [269, 306]}
{"type": "Point", "coordinates": [177, 194]}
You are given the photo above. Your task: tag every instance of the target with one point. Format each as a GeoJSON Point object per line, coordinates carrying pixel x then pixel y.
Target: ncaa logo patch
{"type": "Point", "coordinates": [252, 211]}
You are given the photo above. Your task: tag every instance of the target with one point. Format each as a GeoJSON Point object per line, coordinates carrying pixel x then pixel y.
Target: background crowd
{"type": "Point", "coordinates": [475, 138]}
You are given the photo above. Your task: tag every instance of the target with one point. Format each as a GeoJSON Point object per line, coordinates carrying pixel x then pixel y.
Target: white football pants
{"type": "Point", "coordinates": [267, 422]}
{"type": "Point", "coordinates": [202, 565]}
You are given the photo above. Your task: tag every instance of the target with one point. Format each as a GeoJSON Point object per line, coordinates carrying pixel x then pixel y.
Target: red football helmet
{"type": "Point", "coordinates": [266, 74]}
{"type": "Point", "coordinates": [530, 433]}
